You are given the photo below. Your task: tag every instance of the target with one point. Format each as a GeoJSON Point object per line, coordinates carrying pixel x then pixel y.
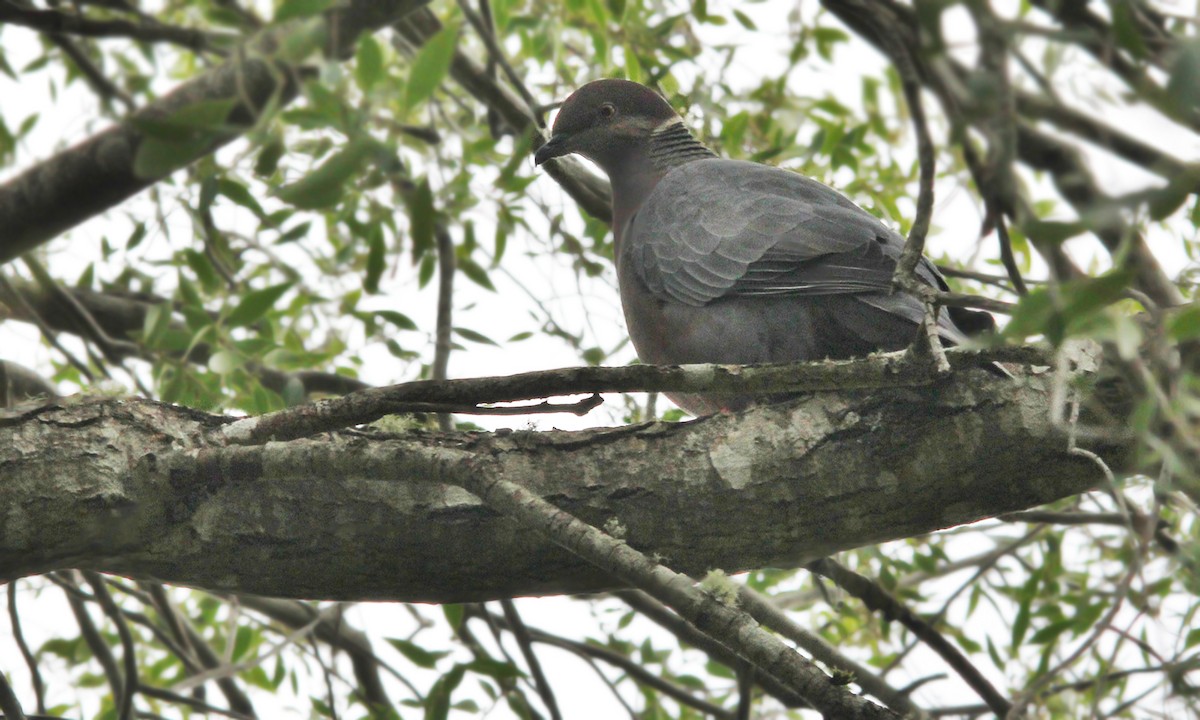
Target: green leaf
{"type": "Point", "coordinates": [196, 119]}
{"type": "Point", "coordinates": [268, 158]}
{"type": "Point", "coordinates": [243, 640]}
{"type": "Point", "coordinates": [324, 186]}
{"type": "Point", "coordinates": [633, 67]}
{"type": "Point", "coordinates": [376, 252]}
{"type": "Point", "coordinates": [1060, 312]}
{"type": "Point", "coordinates": [1183, 86]}
{"type": "Point", "coordinates": [1051, 232]}
{"type": "Point", "coordinates": [494, 668]}
{"type": "Point", "coordinates": [239, 194]}
{"type": "Point", "coordinates": [256, 304]}
{"type": "Point", "coordinates": [425, 272]}
{"type": "Point", "coordinates": [1163, 202]}
{"type": "Point", "coordinates": [368, 63]}
{"type": "Point", "coordinates": [398, 319]}
{"type": "Point", "coordinates": [499, 243]}
{"type": "Point", "coordinates": [476, 273]}
{"type": "Point", "coordinates": [73, 651]}
{"type": "Point", "coordinates": [1125, 24]}
{"type": "Point", "coordinates": [87, 277]}
{"type": "Point", "coordinates": [421, 218]}
{"type": "Point", "coordinates": [1020, 624]}
{"type": "Point", "coordinates": [136, 237]}
{"type": "Point", "coordinates": [1050, 633]}
{"type": "Point", "coordinates": [187, 292]}
{"type": "Point", "coordinates": [157, 158]}
{"type": "Point", "coordinates": [1185, 323]}
{"type": "Point", "coordinates": [437, 703]}
{"type": "Point", "coordinates": [27, 125]}
{"type": "Point", "coordinates": [416, 654]}
{"type": "Point", "coordinates": [291, 9]}
{"type": "Point", "coordinates": [430, 66]}
{"type": "Point", "coordinates": [294, 233]}
{"type": "Point", "coordinates": [172, 142]}
{"type": "Point", "coordinates": [475, 336]}
{"type": "Point", "coordinates": [454, 614]}
{"type": "Point", "coordinates": [155, 324]}
{"type": "Point", "coordinates": [224, 362]}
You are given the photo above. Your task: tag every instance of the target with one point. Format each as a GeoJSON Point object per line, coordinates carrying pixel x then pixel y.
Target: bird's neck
{"type": "Point", "coordinates": [672, 145]}
{"type": "Point", "coordinates": [669, 146]}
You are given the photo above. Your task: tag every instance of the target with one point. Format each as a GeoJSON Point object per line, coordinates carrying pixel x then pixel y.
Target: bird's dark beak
{"type": "Point", "coordinates": [557, 146]}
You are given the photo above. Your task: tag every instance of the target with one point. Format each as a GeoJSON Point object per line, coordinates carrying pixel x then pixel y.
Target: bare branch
{"type": "Point", "coordinates": [61, 23]}
{"type": "Point", "coordinates": [728, 625]}
{"type": "Point", "coordinates": [878, 599]}
{"type": "Point", "coordinates": [35, 674]}
{"type": "Point", "coordinates": [876, 371]}
{"type": "Point", "coordinates": [98, 173]}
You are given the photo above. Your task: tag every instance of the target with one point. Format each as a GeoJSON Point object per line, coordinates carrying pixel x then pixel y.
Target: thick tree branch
{"type": "Point", "coordinates": [119, 316]}
{"type": "Point", "coordinates": [19, 383]}
{"type": "Point", "coordinates": [155, 494]}
{"type": "Point", "coordinates": [62, 23]}
{"type": "Point", "coordinates": [98, 173]}
{"type": "Point", "coordinates": [723, 622]}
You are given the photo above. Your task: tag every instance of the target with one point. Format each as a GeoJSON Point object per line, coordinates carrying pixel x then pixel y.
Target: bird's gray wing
{"type": "Point", "coordinates": [727, 228]}
{"type": "Point", "coordinates": [715, 228]}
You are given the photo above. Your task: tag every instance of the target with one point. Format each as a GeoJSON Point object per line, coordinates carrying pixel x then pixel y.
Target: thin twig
{"type": "Point", "coordinates": [193, 702]}
{"type": "Point", "coordinates": [61, 23]}
{"type": "Point", "coordinates": [114, 350]}
{"type": "Point", "coordinates": [87, 630]}
{"type": "Point", "coordinates": [508, 684]}
{"type": "Point", "coordinates": [35, 674]}
{"type": "Point", "coordinates": [223, 671]}
{"type": "Point", "coordinates": [9, 702]}
{"type": "Point", "coordinates": [521, 633]}
{"type": "Point", "coordinates": [687, 633]}
{"type": "Point", "coordinates": [1066, 518]}
{"type": "Point", "coordinates": [745, 685]}
{"type": "Point", "coordinates": [902, 59]}
{"type": "Point", "coordinates": [128, 654]}
{"type": "Point", "coordinates": [766, 612]}
{"type": "Point", "coordinates": [886, 370]}
{"type": "Point", "coordinates": [981, 571]}
{"type": "Point", "coordinates": [445, 312]}
{"type": "Point", "coordinates": [47, 332]}
{"type": "Point", "coordinates": [105, 88]}
{"type": "Point", "coordinates": [496, 55]}
{"type": "Point", "coordinates": [878, 599]}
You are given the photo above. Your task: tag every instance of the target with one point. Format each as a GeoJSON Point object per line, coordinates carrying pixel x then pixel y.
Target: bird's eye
{"type": "Point", "coordinates": [607, 110]}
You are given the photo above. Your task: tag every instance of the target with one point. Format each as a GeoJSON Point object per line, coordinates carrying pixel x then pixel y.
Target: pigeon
{"type": "Point", "coordinates": [735, 262]}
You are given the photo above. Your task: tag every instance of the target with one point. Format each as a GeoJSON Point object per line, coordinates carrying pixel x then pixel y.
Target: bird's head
{"type": "Point", "coordinates": [605, 121]}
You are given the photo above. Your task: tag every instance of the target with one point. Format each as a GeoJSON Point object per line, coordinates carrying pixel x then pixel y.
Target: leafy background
{"type": "Point", "coordinates": [308, 258]}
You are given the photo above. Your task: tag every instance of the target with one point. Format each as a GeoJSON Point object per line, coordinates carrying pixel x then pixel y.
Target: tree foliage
{"type": "Point", "coordinates": [267, 204]}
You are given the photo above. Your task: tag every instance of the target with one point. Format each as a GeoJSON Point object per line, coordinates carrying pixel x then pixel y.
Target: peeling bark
{"type": "Point", "coordinates": [148, 490]}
